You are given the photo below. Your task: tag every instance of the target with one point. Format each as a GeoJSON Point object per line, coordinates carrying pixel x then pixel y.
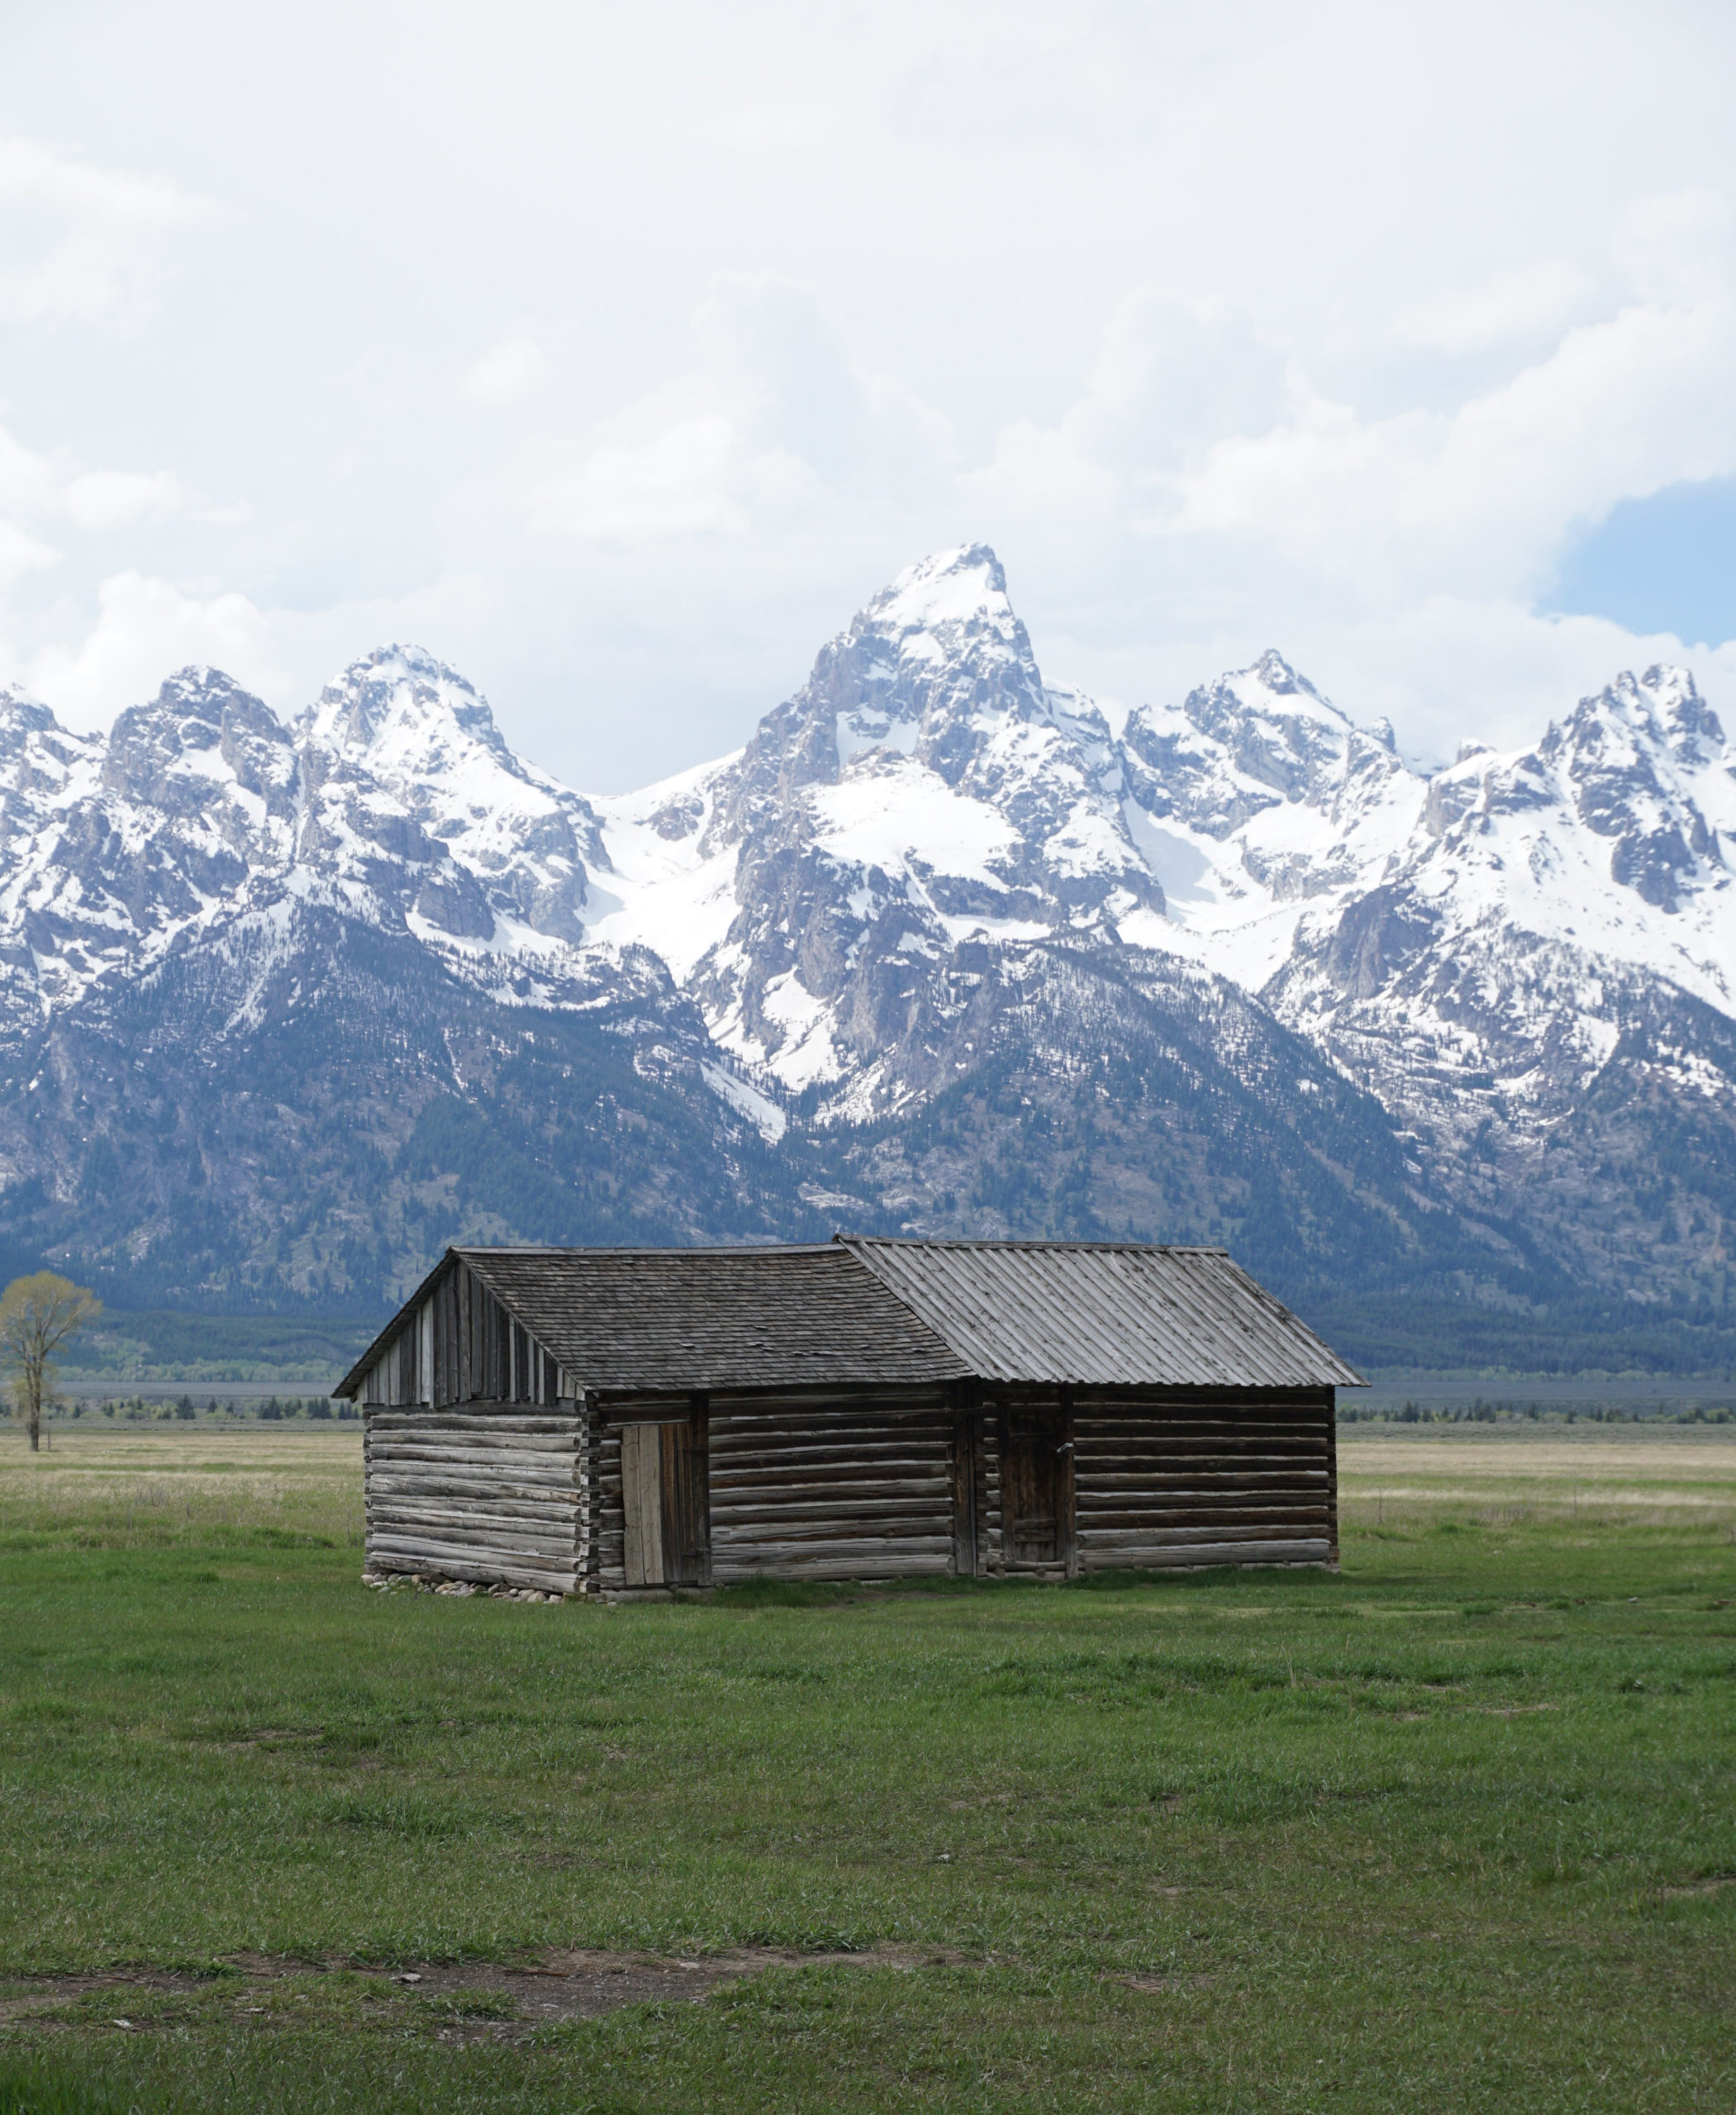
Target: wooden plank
{"type": "Point", "coordinates": [1181, 1558]}
{"type": "Point", "coordinates": [442, 1549]}
{"type": "Point", "coordinates": [511, 1518]}
{"type": "Point", "coordinates": [1185, 1537]}
{"type": "Point", "coordinates": [476, 1417]}
{"type": "Point", "coordinates": [549, 1539]}
{"type": "Point", "coordinates": [685, 1520]}
{"type": "Point", "coordinates": [935, 1489]}
{"type": "Point", "coordinates": [470, 1449]}
{"type": "Point", "coordinates": [898, 1526]}
{"type": "Point", "coordinates": [964, 1500]}
{"type": "Point", "coordinates": [495, 1490]}
{"type": "Point", "coordinates": [641, 1472]}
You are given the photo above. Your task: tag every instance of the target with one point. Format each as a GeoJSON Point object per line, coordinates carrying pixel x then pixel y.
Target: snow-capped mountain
{"type": "Point", "coordinates": [922, 792]}
{"type": "Point", "coordinates": [944, 946]}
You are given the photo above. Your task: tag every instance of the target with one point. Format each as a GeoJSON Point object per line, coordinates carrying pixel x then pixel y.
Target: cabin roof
{"type": "Point", "coordinates": [1103, 1313]}
{"type": "Point", "coordinates": [862, 1311]}
{"type": "Point", "coordinates": [716, 1317]}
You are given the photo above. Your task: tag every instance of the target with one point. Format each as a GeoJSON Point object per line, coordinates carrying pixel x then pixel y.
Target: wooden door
{"type": "Point", "coordinates": [665, 1502]}
{"type": "Point", "coordinates": [641, 1499]}
{"type": "Point", "coordinates": [1036, 1489]}
{"type": "Point", "coordinates": [966, 1548]}
{"type": "Point", "coordinates": [687, 1501]}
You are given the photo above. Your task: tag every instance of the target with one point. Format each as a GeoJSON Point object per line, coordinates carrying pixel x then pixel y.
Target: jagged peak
{"type": "Point", "coordinates": [22, 714]}
{"type": "Point", "coordinates": [204, 696]}
{"type": "Point", "coordinates": [949, 610]}
{"type": "Point", "coordinates": [1662, 708]}
{"type": "Point", "coordinates": [1272, 687]}
{"type": "Point", "coordinates": [964, 586]}
{"type": "Point", "coordinates": [199, 686]}
{"type": "Point", "coordinates": [399, 691]}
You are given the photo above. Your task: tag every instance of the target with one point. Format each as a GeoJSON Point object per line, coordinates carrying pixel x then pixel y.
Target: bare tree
{"type": "Point", "coordinates": [37, 1316]}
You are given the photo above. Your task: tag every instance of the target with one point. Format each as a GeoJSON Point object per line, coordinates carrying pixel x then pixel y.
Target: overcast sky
{"type": "Point", "coordinates": [617, 355]}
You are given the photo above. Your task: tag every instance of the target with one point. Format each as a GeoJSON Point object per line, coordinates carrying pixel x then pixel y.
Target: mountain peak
{"type": "Point", "coordinates": [1660, 710]}
{"type": "Point", "coordinates": [948, 613]}
{"type": "Point", "coordinates": [965, 587]}
{"type": "Point", "coordinates": [404, 701]}
{"type": "Point", "coordinates": [21, 715]}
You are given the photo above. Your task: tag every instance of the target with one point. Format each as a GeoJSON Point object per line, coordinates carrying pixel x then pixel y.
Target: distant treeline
{"type": "Point", "coordinates": [1590, 1337]}
{"type": "Point", "coordinates": [206, 1347]}
{"type": "Point", "coordinates": [138, 1410]}
{"type": "Point", "coordinates": [1486, 1412]}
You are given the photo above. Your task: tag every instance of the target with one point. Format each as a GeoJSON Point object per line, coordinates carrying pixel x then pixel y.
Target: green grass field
{"type": "Point", "coordinates": [1456, 1829]}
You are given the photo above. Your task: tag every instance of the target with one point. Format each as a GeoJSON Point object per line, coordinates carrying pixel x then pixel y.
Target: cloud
{"type": "Point", "coordinates": [145, 628]}
{"type": "Point", "coordinates": [22, 552]}
{"type": "Point", "coordinates": [699, 476]}
{"type": "Point", "coordinates": [772, 128]}
{"type": "Point", "coordinates": [506, 371]}
{"type": "Point", "coordinates": [118, 499]}
{"type": "Point", "coordinates": [1174, 376]}
{"type": "Point", "coordinates": [1540, 299]}
{"type": "Point", "coordinates": [82, 244]}
{"type": "Point", "coordinates": [1480, 500]}
{"type": "Point", "coordinates": [772, 423]}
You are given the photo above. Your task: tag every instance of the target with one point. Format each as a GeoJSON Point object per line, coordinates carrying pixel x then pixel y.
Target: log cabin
{"type": "Point", "coordinates": [629, 1422]}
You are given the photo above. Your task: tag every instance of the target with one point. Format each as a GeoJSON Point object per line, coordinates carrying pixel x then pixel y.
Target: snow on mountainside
{"type": "Point", "coordinates": [939, 945]}
{"type": "Point", "coordinates": [921, 791]}
{"type": "Point", "coordinates": [400, 740]}
{"type": "Point", "coordinates": [1479, 949]}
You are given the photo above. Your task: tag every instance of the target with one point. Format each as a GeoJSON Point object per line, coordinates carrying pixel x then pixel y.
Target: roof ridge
{"type": "Point", "coordinates": [986, 1240]}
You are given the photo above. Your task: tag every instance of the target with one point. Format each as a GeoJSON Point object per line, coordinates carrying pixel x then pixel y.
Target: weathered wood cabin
{"type": "Point", "coordinates": [629, 1420]}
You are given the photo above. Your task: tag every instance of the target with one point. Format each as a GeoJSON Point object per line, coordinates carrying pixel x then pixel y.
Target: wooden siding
{"type": "Point", "coordinates": [461, 1346]}
{"type": "Point", "coordinates": [864, 1491]}
{"type": "Point", "coordinates": [1176, 1481]}
{"type": "Point", "coordinates": [496, 1496]}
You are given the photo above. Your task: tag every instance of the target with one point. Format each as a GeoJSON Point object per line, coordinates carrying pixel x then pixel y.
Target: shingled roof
{"type": "Point", "coordinates": [870, 1312]}
{"type": "Point", "coordinates": [716, 1317]}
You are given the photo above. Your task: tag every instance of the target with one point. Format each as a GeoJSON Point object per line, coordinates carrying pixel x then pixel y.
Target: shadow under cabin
{"type": "Point", "coordinates": [635, 1422]}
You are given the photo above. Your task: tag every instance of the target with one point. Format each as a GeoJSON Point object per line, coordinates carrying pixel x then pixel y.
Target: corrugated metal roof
{"type": "Point", "coordinates": [683, 1318]}
{"type": "Point", "coordinates": [1105, 1315]}
{"type": "Point", "coordinates": [867, 1312]}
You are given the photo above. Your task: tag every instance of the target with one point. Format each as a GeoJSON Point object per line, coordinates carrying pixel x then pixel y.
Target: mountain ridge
{"type": "Point", "coordinates": [937, 947]}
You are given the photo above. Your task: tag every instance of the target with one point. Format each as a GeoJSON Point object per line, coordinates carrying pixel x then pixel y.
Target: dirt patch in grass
{"type": "Point", "coordinates": [579, 1984]}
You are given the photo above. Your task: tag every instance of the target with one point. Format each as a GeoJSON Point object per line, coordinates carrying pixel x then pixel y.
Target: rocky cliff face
{"type": "Point", "coordinates": [282, 1006]}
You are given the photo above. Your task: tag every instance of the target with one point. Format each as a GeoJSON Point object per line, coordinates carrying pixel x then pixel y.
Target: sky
{"type": "Point", "coordinates": [617, 355]}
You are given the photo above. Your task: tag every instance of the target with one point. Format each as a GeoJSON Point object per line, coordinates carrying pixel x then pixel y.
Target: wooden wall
{"type": "Point", "coordinates": [499, 1496]}
{"type": "Point", "coordinates": [816, 1490]}
{"type": "Point", "coordinates": [1170, 1480]}
{"type": "Point", "coordinates": [883, 1487]}
{"type": "Point", "coordinates": [461, 1346]}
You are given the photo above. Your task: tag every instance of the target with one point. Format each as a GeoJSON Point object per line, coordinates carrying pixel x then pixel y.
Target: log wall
{"type": "Point", "coordinates": [863, 1492]}
{"type": "Point", "coordinates": [500, 1492]}
{"type": "Point", "coordinates": [498, 1495]}
{"type": "Point", "coordinates": [1171, 1481]}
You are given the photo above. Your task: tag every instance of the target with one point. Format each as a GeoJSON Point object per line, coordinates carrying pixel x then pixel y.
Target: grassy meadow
{"type": "Point", "coordinates": [1455, 1829]}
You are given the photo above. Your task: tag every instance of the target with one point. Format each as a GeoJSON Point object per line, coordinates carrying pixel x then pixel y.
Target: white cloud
{"type": "Point", "coordinates": [697, 478]}
{"type": "Point", "coordinates": [1221, 330]}
{"type": "Point", "coordinates": [145, 630]}
{"type": "Point", "coordinates": [774, 422]}
{"type": "Point", "coordinates": [774, 128]}
{"type": "Point", "coordinates": [22, 552]}
{"type": "Point", "coordinates": [506, 371]}
{"type": "Point", "coordinates": [117, 499]}
{"type": "Point", "coordinates": [1544, 298]}
{"type": "Point", "coordinates": [1478, 501]}
{"type": "Point", "coordinates": [79, 244]}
